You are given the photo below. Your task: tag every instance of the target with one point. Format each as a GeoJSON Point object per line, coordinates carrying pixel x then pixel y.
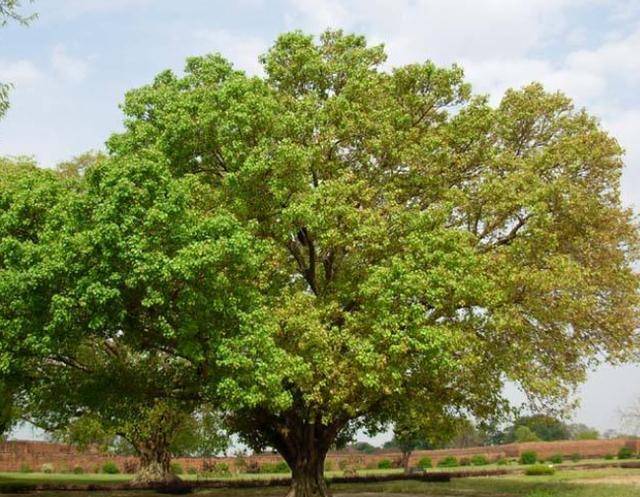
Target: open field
{"type": "Point", "coordinates": [609, 482]}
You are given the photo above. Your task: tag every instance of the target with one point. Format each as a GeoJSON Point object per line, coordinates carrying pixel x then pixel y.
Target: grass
{"type": "Point", "coordinates": [565, 483]}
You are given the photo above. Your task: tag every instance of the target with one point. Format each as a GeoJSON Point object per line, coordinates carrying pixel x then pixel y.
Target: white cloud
{"type": "Point", "coordinates": [19, 72]}
{"type": "Point", "coordinates": [442, 30]}
{"type": "Point", "coordinates": [242, 50]}
{"type": "Point", "coordinates": [79, 7]}
{"type": "Point", "coordinates": [67, 67]}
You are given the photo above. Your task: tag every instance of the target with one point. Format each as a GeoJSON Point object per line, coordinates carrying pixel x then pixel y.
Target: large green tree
{"type": "Point", "coordinates": [26, 196]}
{"type": "Point", "coordinates": [105, 271]}
{"type": "Point", "coordinates": [424, 245]}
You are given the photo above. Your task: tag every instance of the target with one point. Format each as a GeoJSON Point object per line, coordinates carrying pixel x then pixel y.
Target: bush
{"type": "Point", "coordinates": [540, 469]}
{"type": "Point", "coordinates": [176, 468]}
{"type": "Point", "coordinates": [47, 468]}
{"type": "Point", "coordinates": [425, 463]}
{"type": "Point", "coordinates": [252, 467]}
{"type": "Point", "coordinates": [384, 464]}
{"type": "Point", "coordinates": [528, 457]}
{"type": "Point", "coordinates": [501, 461]}
{"type": "Point", "coordinates": [78, 470]}
{"type": "Point", "coordinates": [279, 467]}
{"type": "Point", "coordinates": [575, 457]}
{"type": "Point", "coordinates": [625, 453]}
{"type": "Point", "coordinates": [448, 462]}
{"type": "Point", "coordinates": [556, 459]}
{"type": "Point", "coordinates": [192, 470]}
{"type": "Point", "coordinates": [609, 457]}
{"type": "Point", "coordinates": [216, 469]}
{"type": "Point", "coordinates": [328, 466]}
{"type": "Point", "coordinates": [464, 461]}
{"type": "Point", "coordinates": [110, 468]}
{"type": "Point", "coordinates": [25, 468]}
{"type": "Point", "coordinates": [479, 460]}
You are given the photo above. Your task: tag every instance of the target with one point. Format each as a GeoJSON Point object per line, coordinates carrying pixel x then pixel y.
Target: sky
{"type": "Point", "coordinates": [73, 65]}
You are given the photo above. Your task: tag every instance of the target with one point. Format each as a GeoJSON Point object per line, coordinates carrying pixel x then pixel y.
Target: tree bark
{"type": "Point", "coordinates": [307, 476]}
{"type": "Point", "coordinates": [304, 445]}
{"type": "Point", "coordinates": [406, 458]}
{"type": "Point", "coordinates": [155, 465]}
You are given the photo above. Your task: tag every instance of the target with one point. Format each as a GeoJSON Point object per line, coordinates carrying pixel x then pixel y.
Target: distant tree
{"type": "Point", "coordinates": [581, 431]}
{"type": "Point", "coordinates": [79, 165]}
{"type": "Point", "coordinates": [365, 447]}
{"type": "Point", "coordinates": [544, 427]}
{"type": "Point", "coordinates": [524, 434]}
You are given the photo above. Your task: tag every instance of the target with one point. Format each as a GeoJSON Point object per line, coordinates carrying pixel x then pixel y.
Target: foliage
{"type": "Point", "coordinates": [528, 457]}
{"type": "Point", "coordinates": [78, 470]}
{"type": "Point", "coordinates": [279, 467]}
{"type": "Point", "coordinates": [425, 463]}
{"type": "Point", "coordinates": [576, 456]}
{"type": "Point", "coordinates": [384, 464]}
{"type": "Point", "coordinates": [479, 460]}
{"type": "Point", "coordinates": [625, 453]}
{"type": "Point", "coordinates": [609, 457]}
{"type": "Point", "coordinates": [448, 462]}
{"type": "Point", "coordinates": [464, 461]}
{"type": "Point", "coordinates": [47, 468]}
{"type": "Point", "coordinates": [546, 428]}
{"type": "Point", "coordinates": [539, 470]}
{"type": "Point", "coordinates": [110, 468]}
{"type": "Point", "coordinates": [525, 434]}
{"type": "Point", "coordinates": [176, 468]}
{"type": "Point", "coordinates": [365, 447]}
{"type": "Point", "coordinates": [556, 459]}
{"type": "Point", "coordinates": [583, 432]}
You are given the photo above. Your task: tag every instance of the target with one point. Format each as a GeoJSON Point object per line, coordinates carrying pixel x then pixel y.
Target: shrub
{"type": "Point", "coordinates": [279, 467]}
{"type": "Point", "coordinates": [448, 462]}
{"type": "Point", "coordinates": [252, 467]}
{"type": "Point", "coordinates": [78, 470]}
{"type": "Point", "coordinates": [25, 468]}
{"type": "Point", "coordinates": [540, 469]}
{"type": "Point", "coordinates": [464, 461]}
{"type": "Point", "coordinates": [625, 453]}
{"type": "Point", "coordinates": [47, 468]}
{"type": "Point", "coordinates": [556, 459]}
{"type": "Point", "coordinates": [384, 464]}
{"type": "Point", "coordinates": [110, 468]}
{"type": "Point", "coordinates": [479, 460]}
{"type": "Point", "coordinates": [217, 469]}
{"type": "Point", "coordinates": [192, 470]}
{"type": "Point", "coordinates": [609, 457]}
{"type": "Point", "coordinates": [528, 457]}
{"type": "Point", "coordinates": [575, 457]}
{"type": "Point", "coordinates": [176, 468]}
{"type": "Point", "coordinates": [328, 466]}
{"type": "Point", "coordinates": [425, 463]}
{"type": "Point", "coordinates": [501, 461]}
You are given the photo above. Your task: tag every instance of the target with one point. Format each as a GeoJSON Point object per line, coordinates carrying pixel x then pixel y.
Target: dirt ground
{"type": "Point", "coordinates": [621, 480]}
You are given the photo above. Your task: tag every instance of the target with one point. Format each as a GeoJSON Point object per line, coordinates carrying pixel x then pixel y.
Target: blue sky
{"type": "Point", "coordinates": [72, 66]}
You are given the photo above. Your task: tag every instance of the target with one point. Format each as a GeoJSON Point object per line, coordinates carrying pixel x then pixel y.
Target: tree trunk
{"type": "Point", "coordinates": [307, 477]}
{"type": "Point", "coordinates": [406, 458]}
{"type": "Point", "coordinates": [304, 445]}
{"type": "Point", "coordinates": [155, 466]}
